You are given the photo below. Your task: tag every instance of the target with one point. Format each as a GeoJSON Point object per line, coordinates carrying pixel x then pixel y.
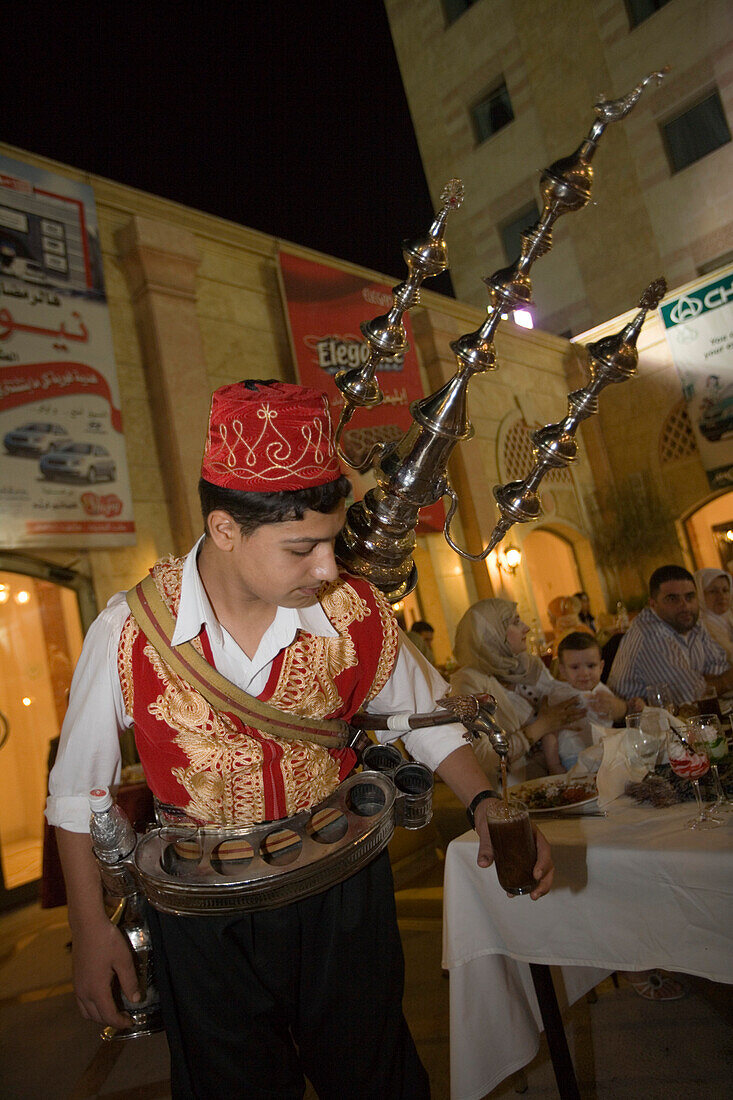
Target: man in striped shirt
{"type": "Point", "coordinates": [666, 644]}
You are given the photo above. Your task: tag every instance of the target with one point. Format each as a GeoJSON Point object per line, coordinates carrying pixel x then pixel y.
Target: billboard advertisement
{"type": "Point", "coordinates": [699, 329]}
{"type": "Point", "coordinates": [325, 307]}
{"type": "Point", "coordinates": [63, 478]}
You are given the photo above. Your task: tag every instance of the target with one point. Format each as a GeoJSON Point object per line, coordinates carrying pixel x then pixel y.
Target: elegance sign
{"type": "Point", "coordinates": [325, 307]}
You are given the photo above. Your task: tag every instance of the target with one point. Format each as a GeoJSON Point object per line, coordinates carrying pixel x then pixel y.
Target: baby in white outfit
{"type": "Point", "coordinates": [581, 665]}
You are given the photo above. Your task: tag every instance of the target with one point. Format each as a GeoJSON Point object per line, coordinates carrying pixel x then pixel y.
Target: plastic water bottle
{"type": "Point", "coordinates": [113, 840]}
{"type": "Point", "coordinates": [113, 837]}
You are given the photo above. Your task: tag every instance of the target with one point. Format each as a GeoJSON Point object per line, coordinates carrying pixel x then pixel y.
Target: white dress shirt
{"type": "Point", "coordinates": [89, 750]}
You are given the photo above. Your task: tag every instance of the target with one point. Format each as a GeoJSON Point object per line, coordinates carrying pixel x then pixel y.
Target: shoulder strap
{"type": "Point", "coordinates": [157, 624]}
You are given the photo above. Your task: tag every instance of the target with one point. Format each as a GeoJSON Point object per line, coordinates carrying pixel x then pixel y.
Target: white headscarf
{"type": "Point", "coordinates": [720, 627]}
{"type": "Point", "coordinates": [481, 644]}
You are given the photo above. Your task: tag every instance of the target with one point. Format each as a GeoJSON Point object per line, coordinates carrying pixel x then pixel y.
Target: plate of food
{"type": "Point", "coordinates": [551, 793]}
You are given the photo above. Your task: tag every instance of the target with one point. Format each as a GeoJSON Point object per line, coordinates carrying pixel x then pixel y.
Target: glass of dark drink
{"type": "Point", "coordinates": [710, 704]}
{"type": "Point", "coordinates": [512, 839]}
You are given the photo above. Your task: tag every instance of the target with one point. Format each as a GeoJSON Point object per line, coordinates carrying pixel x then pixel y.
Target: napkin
{"type": "Point", "coordinates": [620, 765]}
{"type": "Point", "coordinates": [617, 768]}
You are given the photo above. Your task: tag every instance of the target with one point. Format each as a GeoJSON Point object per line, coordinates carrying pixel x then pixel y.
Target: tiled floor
{"type": "Point", "coordinates": [624, 1048]}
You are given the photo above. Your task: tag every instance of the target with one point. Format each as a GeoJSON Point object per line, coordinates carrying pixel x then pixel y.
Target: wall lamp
{"type": "Point", "coordinates": [509, 560]}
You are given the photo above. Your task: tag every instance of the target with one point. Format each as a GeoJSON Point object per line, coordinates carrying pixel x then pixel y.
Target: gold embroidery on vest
{"type": "Point", "coordinates": [130, 631]}
{"type": "Point", "coordinates": [311, 664]}
{"type": "Point", "coordinates": [167, 574]}
{"type": "Point", "coordinates": [388, 656]}
{"type": "Point", "coordinates": [223, 778]}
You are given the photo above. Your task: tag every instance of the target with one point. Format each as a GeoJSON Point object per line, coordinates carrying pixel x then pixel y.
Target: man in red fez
{"type": "Point", "coordinates": [253, 1001]}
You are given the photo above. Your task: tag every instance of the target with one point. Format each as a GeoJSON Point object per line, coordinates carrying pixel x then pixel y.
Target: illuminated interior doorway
{"type": "Point", "coordinates": [552, 569]}
{"type": "Point", "coordinates": [41, 632]}
{"type": "Point", "coordinates": [710, 533]}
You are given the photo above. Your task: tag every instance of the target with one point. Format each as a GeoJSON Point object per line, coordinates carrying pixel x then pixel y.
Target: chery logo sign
{"type": "Point", "coordinates": [689, 306]}
{"type": "Point", "coordinates": [685, 309]}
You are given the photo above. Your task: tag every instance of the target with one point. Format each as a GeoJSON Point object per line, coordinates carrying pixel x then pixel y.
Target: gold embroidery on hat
{"type": "Point", "coordinates": [274, 459]}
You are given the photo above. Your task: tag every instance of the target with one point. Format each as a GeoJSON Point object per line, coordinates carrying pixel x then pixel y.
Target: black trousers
{"type": "Point", "coordinates": [252, 1002]}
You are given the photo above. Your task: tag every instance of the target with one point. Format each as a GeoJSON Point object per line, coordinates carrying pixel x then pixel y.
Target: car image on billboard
{"type": "Point", "coordinates": [88, 462]}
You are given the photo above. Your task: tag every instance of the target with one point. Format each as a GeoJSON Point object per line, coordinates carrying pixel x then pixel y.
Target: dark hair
{"type": "Point", "coordinates": [421, 627]}
{"type": "Point", "coordinates": [667, 573]}
{"type": "Point", "coordinates": [251, 510]}
{"type": "Point", "coordinates": [580, 595]}
{"type": "Point", "coordinates": [577, 640]}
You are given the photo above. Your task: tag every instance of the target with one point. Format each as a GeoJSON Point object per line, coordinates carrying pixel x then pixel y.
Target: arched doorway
{"type": "Point", "coordinates": [552, 569]}
{"type": "Point", "coordinates": [709, 531]}
{"type": "Point", "coordinates": [44, 611]}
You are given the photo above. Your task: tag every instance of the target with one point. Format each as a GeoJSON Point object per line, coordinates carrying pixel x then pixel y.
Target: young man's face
{"type": "Point", "coordinates": [676, 603]}
{"type": "Point", "coordinates": [582, 668]}
{"type": "Point", "coordinates": [285, 564]}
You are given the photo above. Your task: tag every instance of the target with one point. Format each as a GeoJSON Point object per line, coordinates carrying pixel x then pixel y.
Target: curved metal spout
{"type": "Point", "coordinates": [378, 539]}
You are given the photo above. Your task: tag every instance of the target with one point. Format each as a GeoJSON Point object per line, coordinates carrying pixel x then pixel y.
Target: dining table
{"type": "Point", "coordinates": [633, 890]}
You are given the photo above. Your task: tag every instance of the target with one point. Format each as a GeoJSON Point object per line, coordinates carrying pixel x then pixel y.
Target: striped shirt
{"type": "Point", "coordinates": [653, 652]}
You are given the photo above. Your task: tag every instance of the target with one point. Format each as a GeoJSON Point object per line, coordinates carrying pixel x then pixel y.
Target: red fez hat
{"type": "Point", "coordinates": [269, 438]}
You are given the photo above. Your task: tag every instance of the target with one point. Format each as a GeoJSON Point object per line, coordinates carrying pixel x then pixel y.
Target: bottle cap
{"type": "Point", "coordinates": [100, 799]}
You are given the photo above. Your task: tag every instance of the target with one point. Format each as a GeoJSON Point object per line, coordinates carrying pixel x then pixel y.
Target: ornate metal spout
{"type": "Point", "coordinates": [613, 359]}
{"type": "Point", "coordinates": [379, 537]}
{"type": "Point", "coordinates": [386, 335]}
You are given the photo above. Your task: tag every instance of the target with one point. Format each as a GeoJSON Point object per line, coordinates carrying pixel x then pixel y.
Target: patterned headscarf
{"type": "Point", "coordinates": [481, 643]}
{"type": "Point", "coordinates": [269, 438]}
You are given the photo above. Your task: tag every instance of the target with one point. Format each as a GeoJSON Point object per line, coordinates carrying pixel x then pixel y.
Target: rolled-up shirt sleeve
{"type": "Point", "coordinates": [415, 687]}
{"type": "Point", "coordinates": [89, 747]}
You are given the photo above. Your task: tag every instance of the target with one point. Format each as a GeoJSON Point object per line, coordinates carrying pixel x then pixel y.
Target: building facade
{"type": "Point", "coordinates": [498, 89]}
{"type": "Point", "coordinates": [195, 303]}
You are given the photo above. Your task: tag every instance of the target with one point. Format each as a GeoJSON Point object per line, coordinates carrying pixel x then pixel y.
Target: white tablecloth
{"type": "Point", "coordinates": [632, 891]}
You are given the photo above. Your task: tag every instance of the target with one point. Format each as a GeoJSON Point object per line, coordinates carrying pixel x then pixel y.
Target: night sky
{"type": "Point", "coordinates": [284, 116]}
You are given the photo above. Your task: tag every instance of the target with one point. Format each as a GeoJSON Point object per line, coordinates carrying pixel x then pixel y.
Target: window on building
{"type": "Point", "coordinates": [511, 232]}
{"type": "Point", "coordinates": [639, 10]}
{"type": "Point", "coordinates": [454, 9]}
{"type": "Point", "coordinates": [696, 132]}
{"type": "Point", "coordinates": [492, 113]}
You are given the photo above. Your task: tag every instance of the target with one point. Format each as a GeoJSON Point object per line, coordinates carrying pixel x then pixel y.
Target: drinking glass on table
{"type": "Point", "coordinates": [691, 762]}
{"type": "Point", "coordinates": [660, 695]}
{"type": "Point", "coordinates": [707, 729]}
{"type": "Point", "coordinates": [642, 741]}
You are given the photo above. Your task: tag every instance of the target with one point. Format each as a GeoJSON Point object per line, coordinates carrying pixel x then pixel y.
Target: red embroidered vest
{"type": "Point", "coordinates": [208, 762]}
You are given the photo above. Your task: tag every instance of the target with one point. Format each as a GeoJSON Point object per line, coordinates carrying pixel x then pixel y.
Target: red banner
{"type": "Point", "coordinates": [325, 308]}
{"type": "Point", "coordinates": [44, 381]}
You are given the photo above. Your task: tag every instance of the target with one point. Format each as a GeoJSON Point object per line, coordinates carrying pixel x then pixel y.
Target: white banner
{"type": "Point", "coordinates": [699, 329]}
{"type": "Point", "coordinates": [64, 479]}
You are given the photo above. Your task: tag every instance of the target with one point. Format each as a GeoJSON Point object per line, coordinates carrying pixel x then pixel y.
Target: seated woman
{"type": "Point", "coordinates": [714, 593]}
{"type": "Point", "coordinates": [491, 647]}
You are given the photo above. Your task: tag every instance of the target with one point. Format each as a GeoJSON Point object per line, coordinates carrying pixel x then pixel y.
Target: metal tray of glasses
{"type": "Point", "coordinates": [188, 871]}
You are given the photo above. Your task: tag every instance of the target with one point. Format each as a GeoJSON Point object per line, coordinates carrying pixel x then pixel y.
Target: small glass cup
{"type": "Point", "coordinates": [707, 729]}
{"type": "Point", "coordinates": [660, 695]}
{"type": "Point", "coordinates": [642, 741]}
{"type": "Point", "coordinates": [515, 851]}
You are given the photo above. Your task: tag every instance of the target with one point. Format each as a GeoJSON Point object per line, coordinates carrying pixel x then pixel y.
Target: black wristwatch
{"type": "Point", "coordinates": [475, 802]}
